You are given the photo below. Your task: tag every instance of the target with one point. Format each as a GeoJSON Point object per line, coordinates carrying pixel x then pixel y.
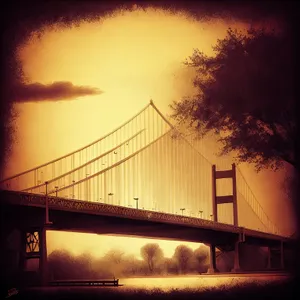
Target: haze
{"type": "Point", "coordinates": [132, 57]}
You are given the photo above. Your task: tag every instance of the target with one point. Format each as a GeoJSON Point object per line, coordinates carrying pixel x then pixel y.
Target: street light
{"type": "Point", "coordinates": [182, 209]}
{"type": "Point", "coordinates": [110, 195]}
{"type": "Point", "coordinates": [56, 188]}
{"type": "Point", "coordinates": [137, 202]}
{"type": "Point", "coordinates": [47, 206]}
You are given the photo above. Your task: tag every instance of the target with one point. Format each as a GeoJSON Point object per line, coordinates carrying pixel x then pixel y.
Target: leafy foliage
{"type": "Point", "coordinates": [64, 265]}
{"type": "Point", "coordinates": [183, 256]}
{"type": "Point", "coordinates": [201, 255]}
{"type": "Point", "coordinates": [151, 253]}
{"type": "Point", "coordinates": [245, 95]}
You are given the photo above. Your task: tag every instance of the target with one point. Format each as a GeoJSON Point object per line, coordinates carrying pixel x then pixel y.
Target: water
{"type": "Point", "coordinates": [198, 282]}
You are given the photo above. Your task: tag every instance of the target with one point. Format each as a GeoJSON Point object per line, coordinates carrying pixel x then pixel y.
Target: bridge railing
{"type": "Point", "coordinates": [26, 199]}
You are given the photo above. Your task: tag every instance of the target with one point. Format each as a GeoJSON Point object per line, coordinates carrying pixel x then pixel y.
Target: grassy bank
{"type": "Point", "coordinates": [283, 290]}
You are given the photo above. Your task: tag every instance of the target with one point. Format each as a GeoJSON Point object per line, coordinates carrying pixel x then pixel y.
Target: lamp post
{"type": "Point", "coordinates": [182, 209]}
{"type": "Point", "coordinates": [200, 212]}
{"type": "Point", "coordinates": [47, 206]}
{"type": "Point", "coordinates": [110, 195]}
{"type": "Point", "coordinates": [137, 202]}
{"type": "Point", "coordinates": [56, 188]}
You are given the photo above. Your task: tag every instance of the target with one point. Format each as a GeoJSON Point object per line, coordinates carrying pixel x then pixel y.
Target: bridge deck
{"type": "Point", "coordinates": [55, 203]}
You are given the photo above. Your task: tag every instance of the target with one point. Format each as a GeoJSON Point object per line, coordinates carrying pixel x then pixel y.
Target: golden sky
{"type": "Point", "coordinates": [99, 245]}
{"type": "Point", "coordinates": [132, 57]}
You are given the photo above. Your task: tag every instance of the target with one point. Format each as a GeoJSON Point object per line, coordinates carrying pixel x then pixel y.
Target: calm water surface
{"type": "Point", "coordinates": [197, 281]}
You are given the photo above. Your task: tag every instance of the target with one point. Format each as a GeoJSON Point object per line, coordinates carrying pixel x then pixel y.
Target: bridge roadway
{"type": "Point", "coordinates": [90, 217]}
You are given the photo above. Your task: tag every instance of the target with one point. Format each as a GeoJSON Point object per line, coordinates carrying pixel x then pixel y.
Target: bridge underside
{"type": "Point", "coordinates": [68, 219]}
{"type": "Point", "coordinates": [19, 217]}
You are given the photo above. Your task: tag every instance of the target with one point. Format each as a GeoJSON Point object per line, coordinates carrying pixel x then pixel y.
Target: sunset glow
{"type": "Point", "coordinates": [131, 57]}
{"type": "Point", "coordinates": [99, 245]}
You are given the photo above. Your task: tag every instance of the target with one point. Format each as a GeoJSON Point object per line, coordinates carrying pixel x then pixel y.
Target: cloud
{"type": "Point", "coordinates": [57, 91]}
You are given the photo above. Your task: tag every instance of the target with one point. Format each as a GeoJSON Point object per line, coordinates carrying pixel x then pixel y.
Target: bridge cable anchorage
{"type": "Point", "coordinates": [86, 164]}
{"type": "Point", "coordinates": [78, 150]}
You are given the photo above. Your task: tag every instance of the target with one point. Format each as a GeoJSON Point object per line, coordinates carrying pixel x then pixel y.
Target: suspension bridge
{"type": "Point", "coordinates": [147, 170]}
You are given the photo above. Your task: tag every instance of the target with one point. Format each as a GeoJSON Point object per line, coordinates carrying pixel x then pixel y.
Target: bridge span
{"type": "Point", "coordinates": [26, 212]}
{"type": "Point", "coordinates": [146, 163]}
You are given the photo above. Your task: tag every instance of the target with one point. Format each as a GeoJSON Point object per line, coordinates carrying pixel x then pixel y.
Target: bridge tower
{"type": "Point", "coordinates": [34, 248]}
{"type": "Point", "coordinates": [34, 244]}
{"type": "Point", "coordinates": [218, 200]}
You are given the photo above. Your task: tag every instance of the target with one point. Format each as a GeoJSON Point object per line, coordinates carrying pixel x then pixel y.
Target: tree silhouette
{"type": "Point", "coordinates": [131, 265]}
{"type": "Point", "coordinates": [151, 253]}
{"type": "Point", "coordinates": [245, 95]}
{"type": "Point", "coordinates": [114, 256]}
{"type": "Point", "coordinates": [84, 263]}
{"type": "Point", "coordinates": [62, 265]}
{"type": "Point", "coordinates": [201, 255]}
{"type": "Point", "coordinates": [183, 255]}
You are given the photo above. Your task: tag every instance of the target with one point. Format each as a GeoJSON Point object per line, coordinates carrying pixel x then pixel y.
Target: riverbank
{"type": "Point", "coordinates": [273, 290]}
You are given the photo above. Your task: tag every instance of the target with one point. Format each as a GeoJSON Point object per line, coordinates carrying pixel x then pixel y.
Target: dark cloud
{"type": "Point", "coordinates": [57, 91]}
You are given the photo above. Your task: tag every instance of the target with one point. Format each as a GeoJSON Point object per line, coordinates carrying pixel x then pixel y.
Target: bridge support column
{"type": "Point", "coordinates": [43, 257]}
{"type": "Point", "coordinates": [22, 260]}
{"type": "Point", "coordinates": [269, 265]}
{"type": "Point", "coordinates": [236, 266]}
{"type": "Point", "coordinates": [212, 259]}
{"type": "Point", "coordinates": [281, 256]}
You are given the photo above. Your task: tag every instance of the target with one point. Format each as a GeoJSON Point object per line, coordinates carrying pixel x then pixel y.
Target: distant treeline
{"type": "Point", "coordinates": [64, 265]}
{"type": "Point", "coordinates": [115, 263]}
